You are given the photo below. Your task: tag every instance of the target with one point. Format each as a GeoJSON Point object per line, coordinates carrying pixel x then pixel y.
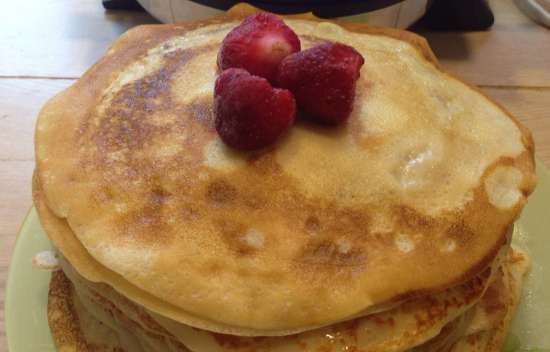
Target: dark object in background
{"type": "Point", "coordinates": [444, 15]}
{"type": "Point", "coordinates": [457, 15]}
{"type": "Point", "coordinates": [122, 5]}
{"type": "Point", "coordinates": [321, 8]}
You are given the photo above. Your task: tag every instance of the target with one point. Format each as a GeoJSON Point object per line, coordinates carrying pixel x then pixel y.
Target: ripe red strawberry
{"type": "Point", "coordinates": [323, 80]}
{"type": "Point", "coordinates": [249, 112]}
{"type": "Point", "coordinates": [258, 45]}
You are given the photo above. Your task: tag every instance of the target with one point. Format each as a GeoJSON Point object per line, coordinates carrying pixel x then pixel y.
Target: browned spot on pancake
{"type": "Point", "coordinates": [148, 225]}
{"type": "Point", "coordinates": [473, 339]}
{"type": "Point", "coordinates": [221, 192]}
{"type": "Point", "coordinates": [412, 219]}
{"type": "Point", "coordinates": [381, 320]}
{"type": "Point", "coordinates": [492, 302]}
{"type": "Point", "coordinates": [349, 329]}
{"type": "Point", "coordinates": [327, 253]}
{"type": "Point", "coordinates": [312, 225]}
{"type": "Point", "coordinates": [213, 268]}
{"type": "Point", "coordinates": [232, 233]}
{"type": "Point", "coordinates": [431, 311]}
{"type": "Point", "coordinates": [158, 197]}
{"type": "Point", "coordinates": [126, 126]}
{"type": "Point", "coordinates": [236, 342]}
{"type": "Point", "coordinates": [189, 212]}
{"type": "Point", "coordinates": [354, 223]}
{"type": "Point", "coordinates": [460, 232]}
{"type": "Point", "coordinates": [253, 201]}
{"type": "Point", "coordinates": [264, 162]}
{"type": "Point", "coordinates": [104, 195]}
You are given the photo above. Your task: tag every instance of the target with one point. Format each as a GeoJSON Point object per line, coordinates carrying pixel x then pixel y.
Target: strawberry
{"type": "Point", "coordinates": [323, 80]}
{"type": "Point", "coordinates": [249, 112]}
{"type": "Point", "coordinates": [258, 45]}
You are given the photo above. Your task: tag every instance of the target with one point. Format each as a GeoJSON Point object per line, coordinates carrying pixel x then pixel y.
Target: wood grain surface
{"type": "Point", "coordinates": [45, 49]}
{"type": "Point", "coordinates": [514, 53]}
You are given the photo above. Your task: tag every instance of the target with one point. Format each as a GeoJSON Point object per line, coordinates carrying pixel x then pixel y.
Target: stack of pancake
{"type": "Point", "coordinates": [390, 233]}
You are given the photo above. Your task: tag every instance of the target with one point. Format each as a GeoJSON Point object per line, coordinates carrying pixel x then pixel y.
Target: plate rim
{"type": "Point", "coordinates": [9, 278]}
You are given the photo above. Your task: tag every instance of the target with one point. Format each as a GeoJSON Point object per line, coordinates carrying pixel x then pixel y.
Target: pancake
{"type": "Point", "coordinates": [428, 172]}
{"type": "Point", "coordinates": [123, 321]}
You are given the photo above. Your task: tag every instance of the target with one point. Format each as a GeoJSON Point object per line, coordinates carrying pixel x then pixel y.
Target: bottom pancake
{"type": "Point", "coordinates": [85, 320]}
{"type": "Point", "coordinates": [72, 330]}
{"type": "Point", "coordinates": [78, 327]}
{"type": "Point", "coordinates": [488, 320]}
{"type": "Point", "coordinates": [494, 313]}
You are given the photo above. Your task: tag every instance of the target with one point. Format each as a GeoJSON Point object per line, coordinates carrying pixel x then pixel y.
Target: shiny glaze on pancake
{"type": "Point", "coordinates": [414, 194]}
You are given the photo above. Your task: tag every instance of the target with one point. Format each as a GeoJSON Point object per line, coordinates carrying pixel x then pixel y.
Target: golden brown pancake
{"type": "Point", "coordinates": [414, 194]}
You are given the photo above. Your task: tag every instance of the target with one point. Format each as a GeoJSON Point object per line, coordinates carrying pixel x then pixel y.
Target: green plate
{"type": "Point", "coordinates": [27, 288]}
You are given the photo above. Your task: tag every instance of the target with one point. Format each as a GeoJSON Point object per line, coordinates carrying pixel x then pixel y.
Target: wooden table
{"type": "Point", "coordinates": [46, 44]}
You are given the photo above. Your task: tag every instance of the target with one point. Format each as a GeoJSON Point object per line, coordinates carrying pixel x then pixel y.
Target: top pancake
{"type": "Point", "coordinates": [415, 193]}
